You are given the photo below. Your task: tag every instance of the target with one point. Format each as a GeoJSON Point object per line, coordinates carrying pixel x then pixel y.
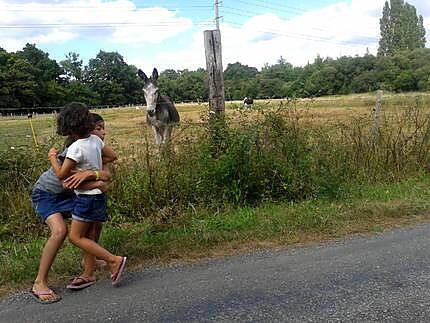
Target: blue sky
{"type": "Point", "coordinates": [169, 33]}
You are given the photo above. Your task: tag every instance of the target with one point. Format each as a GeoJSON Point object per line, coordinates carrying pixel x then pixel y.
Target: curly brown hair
{"type": "Point", "coordinates": [75, 119]}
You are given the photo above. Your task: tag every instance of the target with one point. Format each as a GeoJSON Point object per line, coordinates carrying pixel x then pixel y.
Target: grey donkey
{"type": "Point", "coordinates": [161, 112]}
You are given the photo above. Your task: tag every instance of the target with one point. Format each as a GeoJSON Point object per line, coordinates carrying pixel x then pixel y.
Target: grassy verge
{"type": "Point", "coordinates": [202, 234]}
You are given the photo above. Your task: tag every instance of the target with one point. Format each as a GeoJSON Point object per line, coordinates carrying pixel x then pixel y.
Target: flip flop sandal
{"type": "Point", "coordinates": [116, 277]}
{"type": "Point", "coordinates": [36, 295]}
{"type": "Point", "coordinates": [80, 282]}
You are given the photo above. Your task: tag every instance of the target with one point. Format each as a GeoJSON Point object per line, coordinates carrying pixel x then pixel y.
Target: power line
{"type": "Point", "coordinates": [80, 8]}
{"type": "Point", "coordinates": [254, 13]}
{"type": "Point", "coordinates": [282, 6]}
{"type": "Point", "coordinates": [278, 8]}
{"type": "Point", "coordinates": [99, 25]}
{"type": "Point", "coordinates": [305, 36]}
{"type": "Point", "coordinates": [312, 37]}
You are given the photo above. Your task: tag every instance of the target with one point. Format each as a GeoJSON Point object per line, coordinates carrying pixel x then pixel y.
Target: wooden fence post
{"type": "Point", "coordinates": [377, 115]}
{"type": "Point", "coordinates": [215, 71]}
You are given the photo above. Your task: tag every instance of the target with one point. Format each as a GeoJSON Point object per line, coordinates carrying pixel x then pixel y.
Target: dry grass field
{"type": "Point", "coordinates": [300, 186]}
{"type": "Point", "coordinates": [126, 126]}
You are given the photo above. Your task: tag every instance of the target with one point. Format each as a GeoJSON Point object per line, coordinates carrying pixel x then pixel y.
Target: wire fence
{"type": "Point", "coordinates": [32, 112]}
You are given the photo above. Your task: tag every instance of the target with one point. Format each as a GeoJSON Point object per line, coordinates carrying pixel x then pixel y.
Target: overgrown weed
{"type": "Point", "coordinates": [260, 155]}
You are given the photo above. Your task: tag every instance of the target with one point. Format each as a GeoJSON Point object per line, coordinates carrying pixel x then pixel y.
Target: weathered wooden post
{"type": "Point", "coordinates": [215, 71]}
{"type": "Point", "coordinates": [377, 115]}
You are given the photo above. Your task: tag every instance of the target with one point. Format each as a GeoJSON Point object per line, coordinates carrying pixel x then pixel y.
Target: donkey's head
{"type": "Point", "coordinates": [150, 90]}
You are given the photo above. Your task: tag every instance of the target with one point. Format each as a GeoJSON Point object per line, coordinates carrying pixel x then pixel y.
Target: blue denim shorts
{"type": "Point", "coordinates": [46, 203]}
{"type": "Point", "coordinates": [90, 208]}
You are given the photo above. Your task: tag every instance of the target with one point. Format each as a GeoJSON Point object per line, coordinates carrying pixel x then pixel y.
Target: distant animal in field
{"type": "Point", "coordinates": [248, 102]}
{"type": "Point", "coordinates": [161, 113]}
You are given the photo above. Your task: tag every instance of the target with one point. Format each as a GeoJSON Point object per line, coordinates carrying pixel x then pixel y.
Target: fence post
{"type": "Point", "coordinates": [377, 115]}
{"type": "Point", "coordinates": [215, 71]}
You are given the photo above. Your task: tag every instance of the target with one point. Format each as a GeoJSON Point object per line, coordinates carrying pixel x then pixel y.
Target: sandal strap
{"type": "Point", "coordinates": [43, 292]}
{"type": "Point", "coordinates": [81, 278]}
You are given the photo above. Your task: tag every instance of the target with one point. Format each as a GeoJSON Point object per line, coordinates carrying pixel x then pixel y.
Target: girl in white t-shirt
{"type": "Point", "coordinates": [85, 153]}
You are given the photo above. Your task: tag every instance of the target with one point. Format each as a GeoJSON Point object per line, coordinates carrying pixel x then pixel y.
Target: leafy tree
{"type": "Point", "coordinates": [405, 81]}
{"type": "Point", "coordinates": [322, 82]}
{"type": "Point", "coordinates": [18, 88]}
{"type": "Point", "coordinates": [237, 71]}
{"type": "Point", "coordinates": [72, 67]}
{"type": "Point", "coordinates": [114, 81]}
{"type": "Point", "coordinates": [170, 74]}
{"type": "Point", "coordinates": [78, 91]}
{"type": "Point", "coordinates": [192, 86]}
{"type": "Point", "coordinates": [45, 70]}
{"type": "Point", "coordinates": [401, 28]}
{"type": "Point", "coordinates": [282, 70]}
{"type": "Point", "coordinates": [364, 82]}
{"type": "Point", "coordinates": [269, 88]}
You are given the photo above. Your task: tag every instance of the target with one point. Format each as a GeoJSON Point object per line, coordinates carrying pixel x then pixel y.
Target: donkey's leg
{"type": "Point", "coordinates": [158, 137]}
{"type": "Point", "coordinates": [167, 131]}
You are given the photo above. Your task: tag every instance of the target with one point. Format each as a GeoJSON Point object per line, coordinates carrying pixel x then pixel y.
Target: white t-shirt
{"type": "Point", "coordinates": [87, 153]}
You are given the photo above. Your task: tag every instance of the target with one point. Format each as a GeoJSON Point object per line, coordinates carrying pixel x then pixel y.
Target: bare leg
{"type": "Point", "coordinates": [166, 134]}
{"type": "Point", "coordinates": [94, 234]}
{"type": "Point", "coordinates": [58, 229]}
{"type": "Point", "coordinates": [89, 259]}
{"type": "Point", "coordinates": [78, 237]}
{"type": "Point", "coordinates": [158, 138]}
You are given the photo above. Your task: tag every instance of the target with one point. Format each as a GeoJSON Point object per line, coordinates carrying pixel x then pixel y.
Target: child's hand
{"type": "Point", "coordinates": [102, 186]}
{"type": "Point", "coordinates": [53, 153]}
{"type": "Point", "coordinates": [75, 180]}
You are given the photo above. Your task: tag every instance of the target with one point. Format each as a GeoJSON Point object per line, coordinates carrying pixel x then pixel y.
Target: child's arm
{"type": "Point", "coordinates": [77, 179]}
{"type": "Point", "coordinates": [108, 155]}
{"type": "Point", "coordinates": [102, 186]}
{"type": "Point", "coordinates": [64, 170]}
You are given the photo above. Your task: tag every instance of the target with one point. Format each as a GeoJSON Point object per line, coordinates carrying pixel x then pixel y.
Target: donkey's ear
{"type": "Point", "coordinates": [154, 74]}
{"type": "Point", "coordinates": [142, 75]}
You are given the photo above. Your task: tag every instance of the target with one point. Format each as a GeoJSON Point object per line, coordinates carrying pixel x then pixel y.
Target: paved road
{"type": "Point", "coordinates": [377, 278]}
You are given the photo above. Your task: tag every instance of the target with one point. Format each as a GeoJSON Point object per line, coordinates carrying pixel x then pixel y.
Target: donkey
{"type": "Point", "coordinates": [248, 102]}
{"type": "Point", "coordinates": [161, 113]}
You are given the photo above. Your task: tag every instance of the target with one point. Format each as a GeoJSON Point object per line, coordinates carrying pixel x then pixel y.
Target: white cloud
{"type": "Point", "coordinates": [339, 29]}
{"type": "Point", "coordinates": [54, 35]}
{"type": "Point", "coordinates": [191, 57]}
{"type": "Point", "coordinates": [118, 21]}
{"type": "Point", "coordinates": [344, 28]}
{"type": "Point", "coordinates": [348, 27]}
{"type": "Point", "coordinates": [153, 26]}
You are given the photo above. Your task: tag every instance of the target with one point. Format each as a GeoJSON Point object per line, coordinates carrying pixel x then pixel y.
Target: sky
{"type": "Point", "coordinates": [168, 34]}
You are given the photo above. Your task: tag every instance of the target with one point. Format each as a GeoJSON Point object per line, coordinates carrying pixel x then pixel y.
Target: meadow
{"type": "Point", "coordinates": [287, 171]}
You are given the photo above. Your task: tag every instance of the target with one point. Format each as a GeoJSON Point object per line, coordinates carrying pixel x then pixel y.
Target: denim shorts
{"type": "Point", "coordinates": [90, 208]}
{"type": "Point", "coordinates": [46, 203]}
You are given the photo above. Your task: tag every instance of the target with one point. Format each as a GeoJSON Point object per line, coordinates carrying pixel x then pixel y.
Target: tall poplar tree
{"type": "Point", "coordinates": [401, 28]}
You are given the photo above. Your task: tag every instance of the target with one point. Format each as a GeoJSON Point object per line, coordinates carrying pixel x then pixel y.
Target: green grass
{"type": "Point", "coordinates": [202, 233]}
{"type": "Point", "coordinates": [17, 132]}
{"type": "Point", "coordinates": [269, 181]}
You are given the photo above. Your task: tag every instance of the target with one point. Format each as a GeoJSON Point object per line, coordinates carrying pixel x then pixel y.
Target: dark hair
{"type": "Point", "coordinates": [69, 140]}
{"type": "Point", "coordinates": [74, 119]}
{"type": "Point", "coordinates": [97, 118]}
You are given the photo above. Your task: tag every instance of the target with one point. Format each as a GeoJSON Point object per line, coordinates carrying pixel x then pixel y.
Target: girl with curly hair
{"type": "Point", "coordinates": [85, 153]}
{"type": "Point", "coordinates": [53, 201]}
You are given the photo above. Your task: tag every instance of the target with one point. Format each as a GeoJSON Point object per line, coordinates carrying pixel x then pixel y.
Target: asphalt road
{"type": "Point", "coordinates": [384, 277]}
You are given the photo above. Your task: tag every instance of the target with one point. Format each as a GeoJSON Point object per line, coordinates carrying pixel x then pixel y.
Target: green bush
{"type": "Point", "coordinates": [223, 163]}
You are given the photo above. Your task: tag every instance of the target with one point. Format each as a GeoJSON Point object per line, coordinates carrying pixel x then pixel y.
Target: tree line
{"type": "Point", "coordinates": [29, 78]}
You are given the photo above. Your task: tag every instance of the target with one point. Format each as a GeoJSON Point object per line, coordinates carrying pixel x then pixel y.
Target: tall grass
{"type": "Point", "coordinates": [272, 154]}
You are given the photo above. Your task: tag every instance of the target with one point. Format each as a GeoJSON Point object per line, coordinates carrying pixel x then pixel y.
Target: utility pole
{"type": "Point", "coordinates": [217, 14]}
{"type": "Point", "coordinates": [377, 115]}
{"type": "Point", "coordinates": [215, 71]}
{"type": "Point", "coordinates": [212, 39]}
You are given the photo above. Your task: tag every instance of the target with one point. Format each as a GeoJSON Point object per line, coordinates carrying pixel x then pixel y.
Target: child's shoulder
{"type": "Point", "coordinates": [96, 139]}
